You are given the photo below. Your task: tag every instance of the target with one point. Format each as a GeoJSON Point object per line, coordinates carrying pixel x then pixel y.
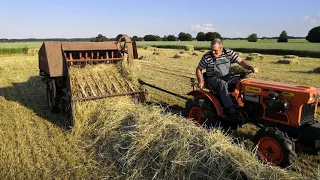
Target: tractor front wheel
{"type": "Point", "coordinates": [275, 146]}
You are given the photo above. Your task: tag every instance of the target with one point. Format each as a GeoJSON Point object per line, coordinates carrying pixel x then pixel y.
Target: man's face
{"type": "Point", "coordinates": [216, 46]}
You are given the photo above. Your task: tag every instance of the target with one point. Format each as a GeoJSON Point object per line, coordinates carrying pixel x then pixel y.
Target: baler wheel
{"type": "Point", "coordinates": [52, 96]}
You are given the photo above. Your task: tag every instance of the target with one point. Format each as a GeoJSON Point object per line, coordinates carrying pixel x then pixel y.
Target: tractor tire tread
{"type": "Point", "coordinates": [288, 146]}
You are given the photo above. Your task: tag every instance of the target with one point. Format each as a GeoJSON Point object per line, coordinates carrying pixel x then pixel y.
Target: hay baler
{"type": "Point", "coordinates": [56, 58]}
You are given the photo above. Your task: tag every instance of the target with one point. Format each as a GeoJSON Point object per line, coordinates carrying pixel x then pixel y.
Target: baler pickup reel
{"type": "Point", "coordinates": [58, 59]}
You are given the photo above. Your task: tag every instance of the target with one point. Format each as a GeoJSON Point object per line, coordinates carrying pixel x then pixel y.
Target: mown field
{"type": "Point", "coordinates": [119, 139]}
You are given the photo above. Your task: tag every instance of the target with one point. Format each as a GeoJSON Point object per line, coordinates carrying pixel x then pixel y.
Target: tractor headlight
{"type": "Point", "coordinates": [312, 98]}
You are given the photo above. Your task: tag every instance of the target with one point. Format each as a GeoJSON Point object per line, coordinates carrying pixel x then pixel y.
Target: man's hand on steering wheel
{"type": "Point", "coordinates": [253, 70]}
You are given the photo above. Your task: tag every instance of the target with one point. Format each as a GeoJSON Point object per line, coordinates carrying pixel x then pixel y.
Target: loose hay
{"type": "Point", "coordinates": [290, 57]}
{"type": "Point", "coordinates": [195, 54]}
{"type": "Point", "coordinates": [104, 79]}
{"type": "Point", "coordinates": [237, 69]}
{"type": "Point", "coordinates": [33, 52]}
{"type": "Point", "coordinates": [254, 57]}
{"type": "Point", "coordinates": [288, 61]}
{"type": "Point", "coordinates": [180, 56]}
{"type": "Point", "coordinates": [159, 53]}
{"type": "Point", "coordinates": [139, 142]}
{"type": "Point", "coordinates": [146, 57]}
{"type": "Point", "coordinates": [188, 47]}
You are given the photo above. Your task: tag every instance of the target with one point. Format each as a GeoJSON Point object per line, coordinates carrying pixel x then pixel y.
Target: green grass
{"type": "Point", "coordinates": [21, 45]}
{"type": "Point", "coordinates": [261, 44]}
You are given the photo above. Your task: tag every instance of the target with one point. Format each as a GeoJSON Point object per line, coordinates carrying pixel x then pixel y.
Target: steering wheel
{"type": "Point", "coordinates": [241, 75]}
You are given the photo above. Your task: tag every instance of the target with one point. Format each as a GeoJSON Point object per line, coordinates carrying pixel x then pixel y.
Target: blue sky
{"type": "Point", "coordinates": [233, 18]}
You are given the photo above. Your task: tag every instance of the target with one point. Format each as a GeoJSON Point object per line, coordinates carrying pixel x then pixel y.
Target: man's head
{"type": "Point", "coordinates": [216, 45]}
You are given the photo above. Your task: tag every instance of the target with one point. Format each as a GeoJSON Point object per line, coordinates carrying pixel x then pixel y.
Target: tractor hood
{"type": "Point", "coordinates": [287, 91]}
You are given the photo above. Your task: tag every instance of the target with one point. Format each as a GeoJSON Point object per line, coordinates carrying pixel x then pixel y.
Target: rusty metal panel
{"type": "Point", "coordinates": [89, 46]}
{"type": "Point", "coordinates": [54, 57]}
{"type": "Point", "coordinates": [42, 58]}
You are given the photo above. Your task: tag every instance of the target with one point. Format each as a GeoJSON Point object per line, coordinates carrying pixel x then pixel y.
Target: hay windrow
{"type": "Point", "coordinates": [188, 47]}
{"type": "Point", "coordinates": [140, 142]}
{"type": "Point", "coordinates": [159, 53]}
{"type": "Point", "coordinates": [288, 61]}
{"type": "Point", "coordinates": [254, 57]}
{"type": "Point", "coordinates": [317, 70]}
{"type": "Point", "coordinates": [290, 57]}
{"type": "Point", "coordinates": [181, 56]}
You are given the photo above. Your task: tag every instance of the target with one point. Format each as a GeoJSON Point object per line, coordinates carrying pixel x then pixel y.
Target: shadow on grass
{"type": "Point", "coordinates": [32, 94]}
{"type": "Point", "coordinates": [303, 72]}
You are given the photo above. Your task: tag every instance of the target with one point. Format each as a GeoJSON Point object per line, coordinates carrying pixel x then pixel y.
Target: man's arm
{"type": "Point", "coordinates": [199, 75]}
{"type": "Point", "coordinates": [245, 65]}
{"type": "Point", "coordinates": [201, 66]}
{"type": "Point", "coordinates": [236, 59]}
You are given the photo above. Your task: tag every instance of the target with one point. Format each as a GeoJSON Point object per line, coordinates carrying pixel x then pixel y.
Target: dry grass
{"type": "Point", "coordinates": [254, 57]}
{"type": "Point", "coordinates": [290, 57]}
{"type": "Point", "coordinates": [159, 53]}
{"type": "Point", "coordinates": [139, 142]}
{"type": "Point", "coordinates": [188, 47]}
{"type": "Point", "coordinates": [288, 61]}
{"type": "Point", "coordinates": [117, 139]}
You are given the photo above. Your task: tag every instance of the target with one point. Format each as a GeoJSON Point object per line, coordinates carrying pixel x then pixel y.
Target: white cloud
{"type": "Point", "coordinates": [202, 28]}
{"type": "Point", "coordinates": [308, 19]}
{"type": "Point", "coordinates": [305, 18]}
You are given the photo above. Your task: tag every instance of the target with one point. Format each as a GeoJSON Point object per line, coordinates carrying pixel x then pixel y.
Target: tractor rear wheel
{"type": "Point", "coordinates": [194, 111]}
{"type": "Point", "coordinates": [275, 146]}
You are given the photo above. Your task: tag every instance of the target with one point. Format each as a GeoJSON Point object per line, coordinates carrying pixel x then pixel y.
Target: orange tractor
{"type": "Point", "coordinates": [285, 113]}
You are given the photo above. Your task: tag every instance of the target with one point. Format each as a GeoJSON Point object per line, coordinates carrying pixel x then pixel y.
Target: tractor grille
{"type": "Point", "coordinates": [307, 113]}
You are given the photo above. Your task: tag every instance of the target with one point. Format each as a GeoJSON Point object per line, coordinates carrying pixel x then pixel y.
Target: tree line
{"type": "Point", "coordinates": [313, 36]}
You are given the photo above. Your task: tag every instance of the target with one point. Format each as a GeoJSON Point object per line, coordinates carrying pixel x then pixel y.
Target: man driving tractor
{"type": "Point", "coordinates": [217, 63]}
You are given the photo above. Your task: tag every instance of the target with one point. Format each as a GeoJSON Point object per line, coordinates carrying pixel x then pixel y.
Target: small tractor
{"type": "Point", "coordinates": [286, 115]}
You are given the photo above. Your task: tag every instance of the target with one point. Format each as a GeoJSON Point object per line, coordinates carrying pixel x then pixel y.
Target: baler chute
{"type": "Point", "coordinates": [57, 58]}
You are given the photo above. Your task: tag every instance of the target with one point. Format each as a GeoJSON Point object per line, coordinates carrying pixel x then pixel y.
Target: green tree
{"type": "Point", "coordinates": [185, 36]}
{"type": "Point", "coordinates": [99, 38]}
{"type": "Point", "coordinates": [209, 36]}
{"type": "Point", "coordinates": [283, 37]}
{"type": "Point", "coordinates": [253, 37]}
{"type": "Point", "coordinates": [151, 37]}
{"type": "Point", "coordinates": [165, 38]}
{"type": "Point", "coordinates": [135, 38]}
{"type": "Point", "coordinates": [314, 35]}
{"type": "Point", "coordinates": [172, 38]}
{"type": "Point", "coordinates": [201, 36]}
